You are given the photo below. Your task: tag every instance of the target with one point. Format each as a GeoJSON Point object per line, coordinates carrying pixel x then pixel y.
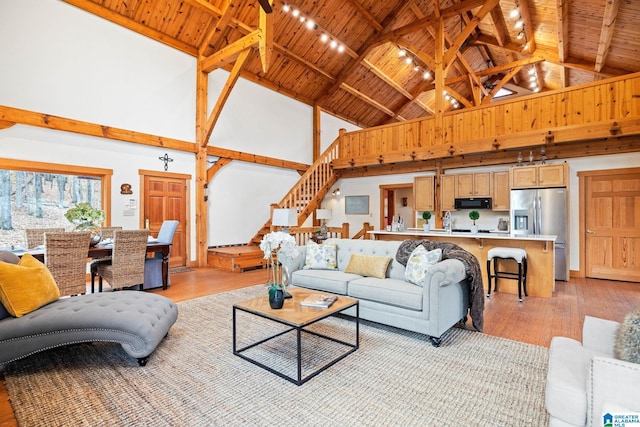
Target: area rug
{"type": "Point", "coordinates": [395, 378]}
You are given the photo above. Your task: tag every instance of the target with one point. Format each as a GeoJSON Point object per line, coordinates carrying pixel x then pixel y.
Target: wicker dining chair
{"type": "Point", "coordinates": [127, 263]}
{"type": "Point", "coordinates": [107, 233]}
{"type": "Point", "coordinates": [65, 255]}
{"type": "Point", "coordinates": [35, 236]}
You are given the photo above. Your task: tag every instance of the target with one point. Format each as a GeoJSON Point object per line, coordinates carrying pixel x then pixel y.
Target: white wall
{"type": "Point", "coordinates": [60, 60]}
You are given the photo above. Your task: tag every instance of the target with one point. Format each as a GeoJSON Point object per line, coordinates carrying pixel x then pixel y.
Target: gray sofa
{"type": "Point", "coordinates": [432, 309]}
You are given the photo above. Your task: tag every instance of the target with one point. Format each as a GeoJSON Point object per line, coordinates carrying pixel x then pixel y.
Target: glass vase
{"type": "Point", "coordinates": [95, 230]}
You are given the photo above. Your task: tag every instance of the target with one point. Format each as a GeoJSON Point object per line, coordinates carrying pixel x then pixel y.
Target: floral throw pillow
{"type": "Point", "coordinates": [418, 262]}
{"type": "Point", "coordinates": [320, 257]}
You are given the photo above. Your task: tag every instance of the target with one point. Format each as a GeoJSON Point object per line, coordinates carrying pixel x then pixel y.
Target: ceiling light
{"type": "Point", "coordinates": [533, 78]}
{"type": "Point", "coordinates": [532, 71]}
{"type": "Point", "coordinates": [341, 48]}
{"type": "Point", "coordinates": [520, 35]}
{"type": "Point", "coordinates": [426, 75]}
{"type": "Point", "coordinates": [286, 8]}
{"type": "Point", "coordinates": [310, 24]}
{"type": "Point", "coordinates": [416, 68]}
{"type": "Point", "coordinates": [295, 12]}
{"type": "Point", "coordinates": [447, 97]}
{"type": "Point", "coordinates": [537, 89]}
{"type": "Point", "coordinates": [302, 19]}
{"type": "Point", "coordinates": [519, 24]}
{"type": "Point", "coordinates": [533, 84]}
{"type": "Point", "coordinates": [515, 12]}
{"type": "Point", "coordinates": [402, 53]}
{"type": "Point", "coordinates": [333, 44]}
{"type": "Point", "coordinates": [408, 60]}
{"type": "Point", "coordinates": [324, 38]}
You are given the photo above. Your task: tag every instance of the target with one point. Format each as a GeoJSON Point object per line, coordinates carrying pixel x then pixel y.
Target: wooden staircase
{"type": "Point", "coordinates": [305, 197]}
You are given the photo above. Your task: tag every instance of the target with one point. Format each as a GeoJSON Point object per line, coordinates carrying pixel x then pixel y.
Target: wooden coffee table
{"type": "Point", "coordinates": [297, 318]}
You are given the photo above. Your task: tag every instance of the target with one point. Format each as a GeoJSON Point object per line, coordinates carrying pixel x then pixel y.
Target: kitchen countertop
{"type": "Point", "coordinates": [497, 235]}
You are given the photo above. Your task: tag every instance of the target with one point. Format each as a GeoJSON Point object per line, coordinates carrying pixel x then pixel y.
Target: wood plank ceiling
{"type": "Point", "coordinates": [365, 78]}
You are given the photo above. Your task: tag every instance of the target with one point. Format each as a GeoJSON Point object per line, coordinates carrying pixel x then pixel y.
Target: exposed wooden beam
{"type": "Point", "coordinates": [562, 11]}
{"type": "Point", "coordinates": [219, 25]}
{"type": "Point", "coordinates": [467, 30]}
{"type": "Point", "coordinates": [385, 78]}
{"type": "Point", "coordinates": [366, 99]}
{"type": "Point", "coordinates": [205, 6]}
{"type": "Point", "coordinates": [525, 14]}
{"type": "Point", "coordinates": [31, 118]}
{"type": "Point", "coordinates": [368, 16]}
{"type": "Point", "coordinates": [265, 44]}
{"type": "Point", "coordinates": [132, 25]}
{"type": "Point", "coordinates": [501, 84]}
{"type": "Point", "coordinates": [372, 41]}
{"type": "Point", "coordinates": [230, 53]}
{"type": "Point", "coordinates": [608, 25]}
{"type": "Point", "coordinates": [5, 124]}
{"type": "Point", "coordinates": [224, 95]}
{"type": "Point", "coordinates": [431, 20]}
{"type": "Point", "coordinates": [215, 168]}
{"type": "Point", "coordinates": [464, 101]}
{"type": "Point", "coordinates": [254, 158]}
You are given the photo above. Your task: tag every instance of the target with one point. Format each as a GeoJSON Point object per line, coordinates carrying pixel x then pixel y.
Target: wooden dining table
{"type": "Point", "coordinates": [101, 251]}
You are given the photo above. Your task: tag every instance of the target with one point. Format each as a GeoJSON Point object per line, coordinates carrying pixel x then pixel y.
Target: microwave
{"type": "Point", "coordinates": [473, 203]}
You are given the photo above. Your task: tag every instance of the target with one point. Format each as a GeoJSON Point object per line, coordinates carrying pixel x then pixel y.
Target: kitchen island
{"type": "Point", "coordinates": [540, 254]}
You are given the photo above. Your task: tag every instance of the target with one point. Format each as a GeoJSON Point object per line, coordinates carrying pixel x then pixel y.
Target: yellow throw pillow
{"type": "Point", "coordinates": [368, 265]}
{"type": "Point", "coordinates": [26, 286]}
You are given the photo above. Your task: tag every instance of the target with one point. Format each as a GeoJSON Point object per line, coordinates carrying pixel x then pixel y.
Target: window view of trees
{"type": "Point", "coordinates": [30, 199]}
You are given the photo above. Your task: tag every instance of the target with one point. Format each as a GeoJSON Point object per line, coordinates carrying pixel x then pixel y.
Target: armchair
{"type": "Point", "coordinates": [585, 381]}
{"type": "Point", "coordinates": [153, 266]}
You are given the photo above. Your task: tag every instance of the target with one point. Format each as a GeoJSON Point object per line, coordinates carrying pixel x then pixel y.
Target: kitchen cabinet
{"type": "Point", "coordinates": [473, 184]}
{"type": "Point", "coordinates": [501, 192]}
{"type": "Point", "coordinates": [424, 193]}
{"type": "Point", "coordinates": [447, 192]}
{"type": "Point", "coordinates": [539, 176]}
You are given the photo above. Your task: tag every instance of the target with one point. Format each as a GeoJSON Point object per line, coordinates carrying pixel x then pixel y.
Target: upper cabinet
{"type": "Point", "coordinates": [539, 176]}
{"type": "Point", "coordinates": [424, 193]}
{"type": "Point", "coordinates": [447, 192]}
{"type": "Point", "coordinates": [500, 195]}
{"type": "Point", "coordinates": [473, 184]}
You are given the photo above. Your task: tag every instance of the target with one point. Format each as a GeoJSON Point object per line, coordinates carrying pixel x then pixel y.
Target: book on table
{"type": "Point", "coordinates": [319, 300]}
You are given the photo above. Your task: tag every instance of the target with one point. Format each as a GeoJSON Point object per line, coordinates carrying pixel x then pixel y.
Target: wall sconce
{"type": "Point", "coordinates": [336, 192]}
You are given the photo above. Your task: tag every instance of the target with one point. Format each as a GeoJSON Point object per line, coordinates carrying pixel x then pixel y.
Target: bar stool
{"type": "Point", "coordinates": [516, 254]}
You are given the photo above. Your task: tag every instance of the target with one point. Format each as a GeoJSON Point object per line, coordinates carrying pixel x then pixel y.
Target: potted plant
{"type": "Point", "coordinates": [473, 215]}
{"type": "Point", "coordinates": [277, 245]}
{"type": "Point", "coordinates": [86, 218]}
{"type": "Point", "coordinates": [426, 215]}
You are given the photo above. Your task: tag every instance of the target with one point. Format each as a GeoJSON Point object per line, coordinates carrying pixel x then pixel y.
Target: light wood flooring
{"type": "Point", "coordinates": [534, 321]}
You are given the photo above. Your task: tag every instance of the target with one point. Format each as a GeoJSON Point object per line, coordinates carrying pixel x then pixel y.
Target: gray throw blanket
{"type": "Point", "coordinates": [471, 266]}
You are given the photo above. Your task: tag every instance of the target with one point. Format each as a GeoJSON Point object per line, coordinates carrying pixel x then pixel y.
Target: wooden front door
{"type": "Point", "coordinates": [165, 198]}
{"type": "Point", "coordinates": [612, 224]}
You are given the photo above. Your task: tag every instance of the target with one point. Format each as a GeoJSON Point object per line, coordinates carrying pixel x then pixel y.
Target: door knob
{"type": "Point", "coordinates": [591, 232]}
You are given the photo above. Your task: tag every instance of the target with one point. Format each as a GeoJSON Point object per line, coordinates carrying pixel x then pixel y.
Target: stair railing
{"type": "Point", "coordinates": [305, 196]}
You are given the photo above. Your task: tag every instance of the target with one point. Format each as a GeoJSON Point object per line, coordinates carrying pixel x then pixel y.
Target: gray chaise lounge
{"type": "Point", "coordinates": [136, 320]}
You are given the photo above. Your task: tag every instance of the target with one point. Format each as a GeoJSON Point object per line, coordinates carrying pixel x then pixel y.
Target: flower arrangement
{"type": "Point", "coordinates": [277, 244]}
{"type": "Point", "coordinates": [84, 213]}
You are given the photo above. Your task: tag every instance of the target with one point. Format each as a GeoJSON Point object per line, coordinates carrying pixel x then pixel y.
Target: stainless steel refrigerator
{"type": "Point", "coordinates": [543, 211]}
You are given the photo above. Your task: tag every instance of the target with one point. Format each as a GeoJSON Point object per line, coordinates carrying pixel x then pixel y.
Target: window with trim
{"type": "Point", "coordinates": [37, 195]}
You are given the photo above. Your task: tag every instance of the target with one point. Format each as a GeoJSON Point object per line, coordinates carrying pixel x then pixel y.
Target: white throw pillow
{"type": "Point", "coordinates": [418, 262]}
{"type": "Point", "coordinates": [320, 257]}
